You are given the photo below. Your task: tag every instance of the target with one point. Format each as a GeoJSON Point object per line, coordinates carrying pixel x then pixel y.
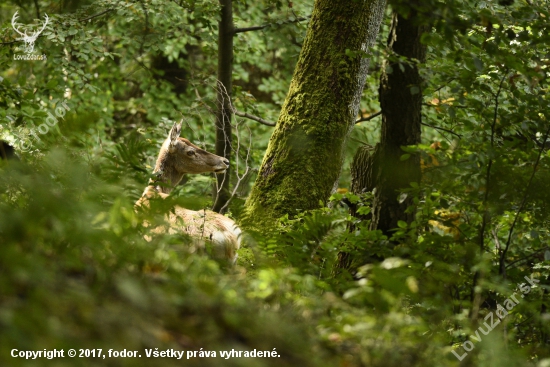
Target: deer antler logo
{"type": "Point", "coordinates": [28, 39]}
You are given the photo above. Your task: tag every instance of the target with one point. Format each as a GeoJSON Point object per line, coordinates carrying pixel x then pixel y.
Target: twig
{"type": "Point", "coordinates": [96, 15]}
{"type": "Point", "coordinates": [244, 175]}
{"type": "Point", "coordinates": [252, 117]}
{"type": "Point", "coordinates": [441, 104]}
{"type": "Point", "coordinates": [260, 27]}
{"type": "Point", "coordinates": [221, 94]}
{"type": "Point", "coordinates": [528, 256]}
{"type": "Point", "coordinates": [443, 86]}
{"type": "Point", "coordinates": [248, 29]}
{"type": "Point", "coordinates": [368, 118]}
{"type": "Point", "coordinates": [359, 141]}
{"type": "Point", "coordinates": [442, 129]}
{"type": "Point", "coordinates": [204, 103]}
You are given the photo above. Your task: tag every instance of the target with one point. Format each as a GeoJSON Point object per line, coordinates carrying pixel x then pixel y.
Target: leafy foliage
{"type": "Point", "coordinates": [76, 271]}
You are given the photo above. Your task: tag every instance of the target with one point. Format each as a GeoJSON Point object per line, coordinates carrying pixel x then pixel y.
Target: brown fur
{"type": "Point", "coordinates": [177, 157]}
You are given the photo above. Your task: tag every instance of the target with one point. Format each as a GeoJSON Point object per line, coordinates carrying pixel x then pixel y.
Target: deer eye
{"type": "Point", "coordinates": [191, 153]}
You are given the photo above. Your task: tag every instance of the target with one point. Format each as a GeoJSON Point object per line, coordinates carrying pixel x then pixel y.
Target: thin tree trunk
{"type": "Point", "coordinates": [304, 156]}
{"type": "Point", "coordinates": [223, 103]}
{"type": "Point", "coordinates": [365, 161]}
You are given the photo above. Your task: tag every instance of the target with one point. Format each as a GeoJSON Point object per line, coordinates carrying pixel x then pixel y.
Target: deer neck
{"type": "Point", "coordinates": [167, 176]}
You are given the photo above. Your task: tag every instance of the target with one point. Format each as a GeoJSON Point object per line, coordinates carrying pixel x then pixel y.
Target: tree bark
{"type": "Point", "coordinates": [381, 168]}
{"type": "Point", "coordinates": [223, 104]}
{"type": "Point", "coordinates": [401, 104]}
{"type": "Point", "coordinates": [304, 156]}
{"type": "Point", "coordinates": [365, 163]}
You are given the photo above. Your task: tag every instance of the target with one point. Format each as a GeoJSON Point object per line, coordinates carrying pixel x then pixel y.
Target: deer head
{"type": "Point", "coordinates": [178, 156]}
{"type": "Point", "coordinates": [28, 39]}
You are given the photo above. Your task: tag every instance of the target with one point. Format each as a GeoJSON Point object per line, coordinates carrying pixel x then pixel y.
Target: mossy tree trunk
{"type": "Point", "coordinates": [304, 156]}
{"type": "Point", "coordinates": [381, 167]}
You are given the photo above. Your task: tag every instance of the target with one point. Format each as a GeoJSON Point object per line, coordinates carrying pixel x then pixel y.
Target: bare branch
{"type": "Point", "coordinates": [96, 15]}
{"type": "Point", "coordinates": [442, 104]}
{"type": "Point", "coordinates": [368, 118]}
{"type": "Point", "coordinates": [221, 94]}
{"type": "Point", "coordinates": [241, 178]}
{"type": "Point", "coordinates": [248, 29]}
{"type": "Point", "coordinates": [252, 117]}
{"type": "Point", "coordinates": [528, 256]}
{"type": "Point", "coordinates": [204, 103]}
{"type": "Point", "coordinates": [249, 116]}
{"type": "Point", "coordinates": [443, 86]}
{"type": "Point", "coordinates": [442, 129]}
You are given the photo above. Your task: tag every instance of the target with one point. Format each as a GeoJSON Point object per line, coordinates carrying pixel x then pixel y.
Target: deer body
{"type": "Point", "coordinates": [177, 157]}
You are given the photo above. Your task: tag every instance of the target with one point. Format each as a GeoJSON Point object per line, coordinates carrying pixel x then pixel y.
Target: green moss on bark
{"type": "Point", "coordinates": [305, 152]}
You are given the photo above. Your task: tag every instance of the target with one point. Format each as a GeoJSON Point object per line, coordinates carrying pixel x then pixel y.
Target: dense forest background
{"type": "Point", "coordinates": [400, 223]}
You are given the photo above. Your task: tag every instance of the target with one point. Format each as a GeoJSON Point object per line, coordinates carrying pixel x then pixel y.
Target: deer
{"type": "Point", "coordinates": [178, 157]}
{"type": "Point", "coordinates": [29, 40]}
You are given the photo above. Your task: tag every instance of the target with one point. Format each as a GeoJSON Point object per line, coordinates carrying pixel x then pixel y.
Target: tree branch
{"type": "Point", "coordinates": [252, 117]}
{"type": "Point", "coordinates": [528, 256]}
{"type": "Point", "coordinates": [368, 118]}
{"type": "Point", "coordinates": [443, 86]}
{"type": "Point", "coordinates": [260, 27]}
{"type": "Point", "coordinates": [248, 29]}
{"type": "Point", "coordinates": [10, 42]}
{"type": "Point", "coordinates": [442, 129]}
{"type": "Point", "coordinates": [443, 104]}
{"type": "Point", "coordinates": [96, 15]}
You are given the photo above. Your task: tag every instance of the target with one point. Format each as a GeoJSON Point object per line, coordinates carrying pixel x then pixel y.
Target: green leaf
{"type": "Point", "coordinates": [478, 64]}
{"type": "Point", "coordinates": [364, 210]}
{"type": "Point", "coordinates": [52, 84]}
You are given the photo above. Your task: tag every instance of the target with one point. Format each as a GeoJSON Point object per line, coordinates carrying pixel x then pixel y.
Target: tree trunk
{"type": "Point", "coordinates": [381, 167]}
{"type": "Point", "coordinates": [365, 163]}
{"type": "Point", "coordinates": [223, 104]}
{"type": "Point", "coordinates": [304, 156]}
{"type": "Point", "coordinates": [401, 103]}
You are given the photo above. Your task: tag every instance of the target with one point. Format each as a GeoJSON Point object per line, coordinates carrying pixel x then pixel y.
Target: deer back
{"type": "Point", "coordinates": [177, 157]}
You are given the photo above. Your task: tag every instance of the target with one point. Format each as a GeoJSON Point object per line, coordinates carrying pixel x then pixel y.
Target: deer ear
{"type": "Point", "coordinates": [174, 134]}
